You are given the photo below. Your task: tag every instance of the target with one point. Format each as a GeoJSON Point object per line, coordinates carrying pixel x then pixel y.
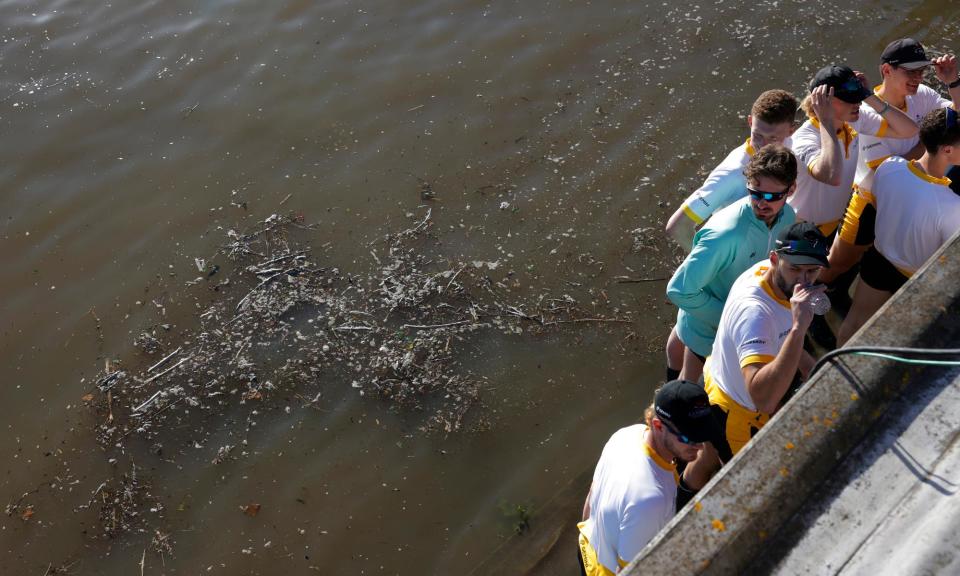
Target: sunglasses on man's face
{"type": "Point", "coordinates": [768, 196]}
{"type": "Point", "coordinates": [682, 438]}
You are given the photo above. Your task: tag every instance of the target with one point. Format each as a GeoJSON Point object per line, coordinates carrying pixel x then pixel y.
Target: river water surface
{"type": "Point", "coordinates": [549, 134]}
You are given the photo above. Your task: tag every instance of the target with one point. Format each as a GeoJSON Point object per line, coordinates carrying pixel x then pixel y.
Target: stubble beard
{"type": "Point", "coordinates": [781, 283]}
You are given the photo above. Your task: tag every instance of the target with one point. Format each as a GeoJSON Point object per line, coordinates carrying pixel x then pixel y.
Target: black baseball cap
{"type": "Point", "coordinates": [803, 243]}
{"type": "Point", "coordinates": [905, 53]}
{"type": "Point", "coordinates": [686, 406]}
{"type": "Point", "coordinates": [844, 82]}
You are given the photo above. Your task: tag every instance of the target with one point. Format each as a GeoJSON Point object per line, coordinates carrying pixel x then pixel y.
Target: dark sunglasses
{"type": "Point", "coordinates": [768, 196]}
{"type": "Point", "coordinates": [682, 438]}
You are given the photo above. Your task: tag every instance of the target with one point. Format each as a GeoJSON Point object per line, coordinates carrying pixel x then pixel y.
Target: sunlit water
{"type": "Point", "coordinates": [134, 134]}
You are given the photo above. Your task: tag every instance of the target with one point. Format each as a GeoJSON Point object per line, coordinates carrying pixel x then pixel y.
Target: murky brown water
{"type": "Point", "coordinates": [133, 132]}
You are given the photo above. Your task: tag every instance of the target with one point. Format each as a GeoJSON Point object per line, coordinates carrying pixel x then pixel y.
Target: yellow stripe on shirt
{"type": "Point", "coordinates": [692, 215]}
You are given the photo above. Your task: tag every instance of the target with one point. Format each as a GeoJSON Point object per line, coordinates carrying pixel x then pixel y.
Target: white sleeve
{"type": "Point", "coordinates": [754, 334]}
{"type": "Point", "coordinates": [870, 122]}
{"type": "Point", "coordinates": [931, 99]}
{"type": "Point", "coordinates": [806, 144]}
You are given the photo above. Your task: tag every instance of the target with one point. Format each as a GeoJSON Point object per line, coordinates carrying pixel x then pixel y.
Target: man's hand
{"type": "Point", "coordinates": [801, 306]}
{"type": "Point", "coordinates": [822, 106]}
{"type": "Point", "coordinates": [946, 68]}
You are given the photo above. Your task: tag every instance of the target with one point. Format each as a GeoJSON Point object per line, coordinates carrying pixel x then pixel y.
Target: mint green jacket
{"type": "Point", "coordinates": [730, 242]}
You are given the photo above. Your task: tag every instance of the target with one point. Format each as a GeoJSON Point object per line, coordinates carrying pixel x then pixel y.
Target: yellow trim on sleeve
{"type": "Point", "coordinates": [621, 562]}
{"type": "Point", "coordinates": [883, 128]}
{"type": "Point", "coordinates": [919, 173]}
{"type": "Point", "coordinates": [756, 359]}
{"type": "Point", "coordinates": [872, 164]}
{"type": "Point", "coordinates": [750, 149]}
{"type": "Point", "coordinates": [692, 215]}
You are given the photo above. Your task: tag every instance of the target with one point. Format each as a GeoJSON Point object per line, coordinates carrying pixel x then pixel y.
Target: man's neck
{"type": "Point", "coordinates": [773, 220]}
{"type": "Point", "coordinates": [893, 97]}
{"type": "Point", "coordinates": [934, 164]}
{"type": "Point", "coordinates": [656, 443]}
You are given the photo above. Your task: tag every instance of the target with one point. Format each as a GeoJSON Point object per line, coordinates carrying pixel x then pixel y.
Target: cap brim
{"type": "Point", "coordinates": [800, 259]}
{"type": "Point", "coordinates": [854, 97]}
{"type": "Point", "coordinates": [705, 429]}
{"type": "Point", "coordinates": [915, 65]}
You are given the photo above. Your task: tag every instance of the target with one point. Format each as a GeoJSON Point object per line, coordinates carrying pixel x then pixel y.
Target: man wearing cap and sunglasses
{"type": "Point", "coordinates": [758, 351]}
{"type": "Point", "coordinates": [827, 144]}
{"type": "Point", "coordinates": [902, 69]}
{"type": "Point", "coordinates": [732, 240]}
{"type": "Point", "coordinates": [917, 212]}
{"type": "Point", "coordinates": [635, 483]}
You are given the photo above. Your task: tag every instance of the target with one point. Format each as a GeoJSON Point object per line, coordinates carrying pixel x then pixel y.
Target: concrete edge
{"type": "Point", "coordinates": [729, 521]}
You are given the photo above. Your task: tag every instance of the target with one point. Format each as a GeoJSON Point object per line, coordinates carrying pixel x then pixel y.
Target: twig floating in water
{"type": "Point", "coordinates": [155, 376]}
{"type": "Point", "coordinates": [163, 360]}
{"type": "Point", "coordinates": [432, 326]}
{"type": "Point", "coordinates": [626, 280]}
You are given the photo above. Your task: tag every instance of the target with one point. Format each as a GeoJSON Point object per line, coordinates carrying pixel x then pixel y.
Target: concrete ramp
{"type": "Point", "coordinates": [858, 474]}
{"type": "Point", "coordinates": [891, 505]}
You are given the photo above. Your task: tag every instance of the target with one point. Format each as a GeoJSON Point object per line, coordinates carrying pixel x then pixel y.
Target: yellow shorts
{"type": "Point", "coordinates": [739, 424]}
{"type": "Point", "coordinates": [860, 218]}
{"type": "Point", "coordinates": [588, 556]}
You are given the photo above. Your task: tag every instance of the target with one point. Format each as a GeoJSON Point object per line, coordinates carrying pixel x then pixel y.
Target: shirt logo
{"type": "Point", "coordinates": [756, 341]}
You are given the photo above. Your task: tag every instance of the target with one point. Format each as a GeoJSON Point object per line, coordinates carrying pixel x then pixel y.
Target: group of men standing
{"type": "Point", "coordinates": [777, 232]}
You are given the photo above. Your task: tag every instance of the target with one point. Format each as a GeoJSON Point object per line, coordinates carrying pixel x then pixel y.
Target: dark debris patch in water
{"type": "Point", "coordinates": [288, 326]}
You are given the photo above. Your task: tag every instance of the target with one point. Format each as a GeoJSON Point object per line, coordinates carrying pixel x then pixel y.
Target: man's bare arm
{"type": "Point", "coordinates": [827, 167]}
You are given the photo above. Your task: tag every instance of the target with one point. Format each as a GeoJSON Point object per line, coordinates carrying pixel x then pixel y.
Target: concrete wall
{"type": "Point", "coordinates": [731, 520]}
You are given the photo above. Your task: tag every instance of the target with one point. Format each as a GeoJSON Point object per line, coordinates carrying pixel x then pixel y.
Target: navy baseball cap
{"type": "Point", "coordinates": [844, 82]}
{"type": "Point", "coordinates": [686, 406]}
{"type": "Point", "coordinates": [905, 53]}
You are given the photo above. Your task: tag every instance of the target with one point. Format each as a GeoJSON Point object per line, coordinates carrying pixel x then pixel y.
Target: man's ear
{"type": "Point", "coordinates": [750, 121]}
{"type": "Point", "coordinates": [774, 257]}
{"type": "Point", "coordinates": [793, 188]}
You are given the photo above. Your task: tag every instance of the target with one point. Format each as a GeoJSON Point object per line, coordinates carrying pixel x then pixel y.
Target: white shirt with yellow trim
{"type": "Point", "coordinates": [752, 329]}
{"type": "Point", "coordinates": [876, 149]}
{"type": "Point", "coordinates": [916, 213]}
{"type": "Point", "coordinates": [633, 496]}
{"type": "Point", "coordinates": [819, 202]}
{"type": "Point", "coordinates": [724, 186]}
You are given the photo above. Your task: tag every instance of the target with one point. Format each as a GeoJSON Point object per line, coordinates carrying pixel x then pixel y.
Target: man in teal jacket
{"type": "Point", "coordinates": [734, 239]}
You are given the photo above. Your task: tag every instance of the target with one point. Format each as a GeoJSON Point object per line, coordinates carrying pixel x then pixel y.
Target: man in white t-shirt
{"type": "Point", "coordinates": [917, 212]}
{"type": "Point", "coordinates": [633, 494]}
{"type": "Point", "coordinates": [758, 352]}
{"type": "Point", "coordinates": [828, 142]}
{"type": "Point", "coordinates": [902, 69]}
